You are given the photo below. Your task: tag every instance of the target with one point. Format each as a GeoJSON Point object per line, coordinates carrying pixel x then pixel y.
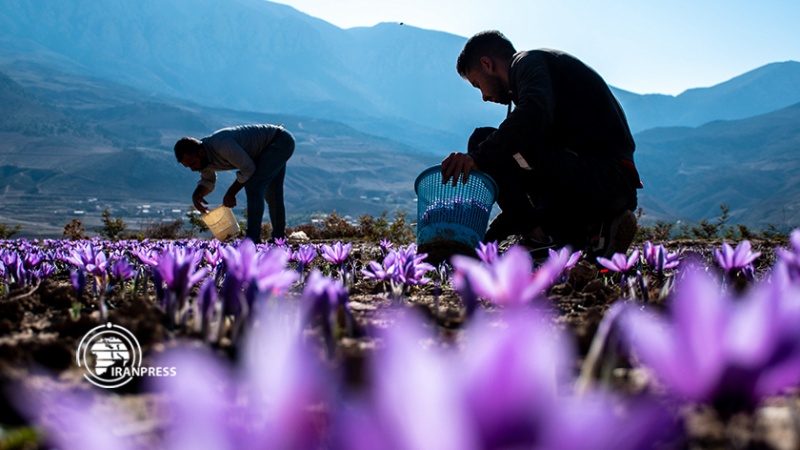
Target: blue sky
{"type": "Point", "coordinates": [644, 46]}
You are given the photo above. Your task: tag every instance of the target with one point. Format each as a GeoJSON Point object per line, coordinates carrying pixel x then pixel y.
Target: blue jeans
{"type": "Point", "coordinates": [266, 184]}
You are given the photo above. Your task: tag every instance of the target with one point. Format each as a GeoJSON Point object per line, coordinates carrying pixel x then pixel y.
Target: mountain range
{"type": "Point", "coordinates": [94, 94]}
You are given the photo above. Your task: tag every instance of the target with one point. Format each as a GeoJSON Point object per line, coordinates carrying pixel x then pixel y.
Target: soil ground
{"type": "Point", "coordinates": [39, 335]}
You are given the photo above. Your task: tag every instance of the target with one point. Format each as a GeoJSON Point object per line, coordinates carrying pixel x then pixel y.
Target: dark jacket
{"type": "Point", "coordinates": [560, 103]}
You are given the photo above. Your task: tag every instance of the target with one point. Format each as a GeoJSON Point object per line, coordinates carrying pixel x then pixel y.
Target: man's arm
{"type": "Point", "coordinates": [198, 198]}
{"type": "Point", "coordinates": [229, 199]}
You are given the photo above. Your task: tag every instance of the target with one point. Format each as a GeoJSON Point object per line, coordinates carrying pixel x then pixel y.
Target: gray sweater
{"type": "Point", "coordinates": [235, 148]}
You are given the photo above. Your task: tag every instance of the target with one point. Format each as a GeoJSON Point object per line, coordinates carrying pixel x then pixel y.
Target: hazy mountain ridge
{"type": "Point", "coordinates": [255, 55]}
{"type": "Point", "coordinates": [752, 165]}
{"type": "Point", "coordinates": [69, 134]}
{"type": "Point", "coordinates": [756, 92]}
{"type": "Point", "coordinates": [116, 149]}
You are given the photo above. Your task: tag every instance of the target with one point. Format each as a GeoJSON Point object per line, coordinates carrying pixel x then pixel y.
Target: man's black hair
{"type": "Point", "coordinates": [490, 43]}
{"type": "Point", "coordinates": [187, 145]}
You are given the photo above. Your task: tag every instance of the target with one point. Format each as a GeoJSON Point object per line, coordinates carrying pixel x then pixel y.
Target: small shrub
{"type": "Point", "coordinates": [337, 227]}
{"type": "Point", "coordinates": [196, 224]}
{"type": "Point", "coordinates": [75, 231]}
{"type": "Point", "coordinates": [398, 230]}
{"type": "Point", "coordinates": [163, 230]}
{"type": "Point", "coordinates": [112, 228]}
{"type": "Point", "coordinates": [6, 231]}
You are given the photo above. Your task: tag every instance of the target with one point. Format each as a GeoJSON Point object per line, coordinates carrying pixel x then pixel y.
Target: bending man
{"type": "Point", "coordinates": [259, 154]}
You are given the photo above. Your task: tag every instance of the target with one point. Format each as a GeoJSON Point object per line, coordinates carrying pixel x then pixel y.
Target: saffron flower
{"type": "Point", "coordinates": [402, 268]}
{"type": "Point", "coordinates": [659, 259]}
{"type": "Point", "coordinates": [273, 401]}
{"type": "Point", "coordinates": [508, 281]}
{"type": "Point", "coordinates": [324, 299]}
{"type": "Point", "coordinates": [385, 245]}
{"type": "Point", "coordinates": [122, 270]}
{"type": "Point", "coordinates": [78, 278]}
{"type": "Point", "coordinates": [487, 253]}
{"type": "Point", "coordinates": [252, 274]}
{"type": "Point", "coordinates": [741, 258]}
{"type": "Point", "coordinates": [568, 257]}
{"type": "Point", "coordinates": [337, 253]}
{"type": "Point", "coordinates": [415, 401]}
{"type": "Point", "coordinates": [790, 259]}
{"type": "Point", "coordinates": [727, 352]}
{"type": "Point", "coordinates": [90, 259]}
{"type": "Point", "coordinates": [303, 256]}
{"type": "Point", "coordinates": [176, 274]}
{"type": "Point", "coordinates": [619, 262]}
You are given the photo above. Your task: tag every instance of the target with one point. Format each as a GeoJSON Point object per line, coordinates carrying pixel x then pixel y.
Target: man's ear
{"type": "Point", "coordinates": [201, 153]}
{"type": "Point", "coordinates": [487, 63]}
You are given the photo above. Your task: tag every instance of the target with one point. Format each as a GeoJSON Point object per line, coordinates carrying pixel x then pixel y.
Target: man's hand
{"type": "Point", "coordinates": [199, 202]}
{"type": "Point", "coordinates": [229, 199]}
{"type": "Point", "coordinates": [455, 165]}
{"type": "Point", "coordinates": [199, 199]}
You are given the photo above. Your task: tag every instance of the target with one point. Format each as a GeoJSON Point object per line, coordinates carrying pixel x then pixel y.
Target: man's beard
{"type": "Point", "coordinates": [500, 93]}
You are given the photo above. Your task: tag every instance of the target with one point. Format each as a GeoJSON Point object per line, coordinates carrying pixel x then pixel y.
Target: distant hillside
{"type": "Point", "coordinates": [759, 91]}
{"type": "Point", "coordinates": [93, 95]}
{"type": "Point", "coordinates": [389, 80]}
{"type": "Point", "coordinates": [76, 144]}
{"type": "Point", "coordinates": [753, 165]}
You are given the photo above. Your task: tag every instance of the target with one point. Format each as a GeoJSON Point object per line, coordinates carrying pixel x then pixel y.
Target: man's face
{"type": "Point", "coordinates": [492, 86]}
{"type": "Point", "coordinates": [193, 161]}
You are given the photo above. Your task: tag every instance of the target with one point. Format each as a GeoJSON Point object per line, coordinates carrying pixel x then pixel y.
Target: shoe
{"type": "Point", "coordinates": [613, 236]}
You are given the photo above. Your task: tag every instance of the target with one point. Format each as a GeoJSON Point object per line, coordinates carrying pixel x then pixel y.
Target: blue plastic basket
{"type": "Point", "coordinates": [450, 218]}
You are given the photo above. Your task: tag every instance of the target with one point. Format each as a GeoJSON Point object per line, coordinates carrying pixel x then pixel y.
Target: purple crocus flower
{"type": "Point", "coordinates": [487, 253]}
{"type": "Point", "coordinates": [659, 259]}
{"type": "Point", "coordinates": [337, 253]}
{"type": "Point", "coordinates": [790, 259]}
{"type": "Point", "coordinates": [385, 245]}
{"type": "Point", "coordinates": [509, 281]}
{"type": "Point", "coordinates": [204, 309]}
{"type": "Point", "coordinates": [727, 352]}
{"type": "Point", "coordinates": [378, 271]}
{"type": "Point", "coordinates": [324, 299]}
{"type": "Point", "coordinates": [88, 258]}
{"type": "Point", "coordinates": [177, 274]}
{"type": "Point", "coordinates": [78, 278]}
{"type": "Point", "coordinates": [213, 256]}
{"type": "Point", "coordinates": [511, 376]}
{"type": "Point", "coordinates": [568, 257]}
{"type": "Point", "coordinates": [251, 273]}
{"type": "Point", "coordinates": [147, 256]}
{"type": "Point", "coordinates": [72, 419]}
{"type": "Point", "coordinates": [402, 268]}
{"type": "Point", "coordinates": [732, 260]}
{"type": "Point", "coordinates": [410, 267]}
{"type": "Point", "coordinates": [619, 262]}
{"type": "Point", "coordinates": [274, 401]}
{"type": "Point", "coordinates": [304, 255]}
{"type": "Point", "coordinates": [415, 401]}
{"type": "Point", "coordinates": [602, 422]}
{"type": "Point", "coordinates": [122, 270]}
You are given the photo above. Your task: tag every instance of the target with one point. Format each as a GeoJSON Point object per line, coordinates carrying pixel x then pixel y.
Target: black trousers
{"type": "Point", "coordinates": [563, 192]}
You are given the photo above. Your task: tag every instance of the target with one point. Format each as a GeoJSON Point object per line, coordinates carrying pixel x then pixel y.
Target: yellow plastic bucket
{"type": "Point", "coordinates": [222, 222]}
